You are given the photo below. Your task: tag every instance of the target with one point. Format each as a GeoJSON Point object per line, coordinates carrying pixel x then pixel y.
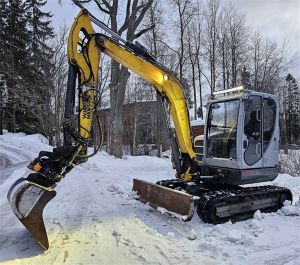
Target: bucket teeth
{"type": "Point", "coordinates": [28, 201]}
{"type": "Point", "coordinates": [173, 201]}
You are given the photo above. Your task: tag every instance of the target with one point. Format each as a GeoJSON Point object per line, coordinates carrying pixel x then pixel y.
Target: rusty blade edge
{"type": "Point", "coordinates": [175, 202]}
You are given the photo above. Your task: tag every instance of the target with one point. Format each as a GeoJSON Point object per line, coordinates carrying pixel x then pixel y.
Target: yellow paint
{"type": "Point", "coordinates": [37, 167]}
{"type": "Point", "coordinates": [187, 176]}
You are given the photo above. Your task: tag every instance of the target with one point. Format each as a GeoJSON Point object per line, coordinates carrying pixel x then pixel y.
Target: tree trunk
{"type": "Point", "coordinates": [117, 95]}
{"type": "Point", "coordinates": [194, 90]}
{"type": "Point", "coordinates": [1, 121]}
{"type": "Point", "coordinates": [135, 13]}
{"type": "Point", "coordinates": [200, 87]}
{"type": "Point", "coordinates": [1, 103]}
{"type": "Point", "coordinates": [134, 131]}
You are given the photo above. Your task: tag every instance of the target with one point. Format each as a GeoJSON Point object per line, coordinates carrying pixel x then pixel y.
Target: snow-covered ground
{"type": "Point", "coordinates": [94, 219]}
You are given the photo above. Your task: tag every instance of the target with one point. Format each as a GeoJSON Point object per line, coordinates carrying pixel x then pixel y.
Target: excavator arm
{"type": "Point", "coordinates": [136, 59]}
{"type": "Point", "coordinates": [84, 50]}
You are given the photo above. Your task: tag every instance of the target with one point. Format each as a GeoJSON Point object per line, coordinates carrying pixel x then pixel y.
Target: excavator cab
{"type": "Point", "coordinates": [241, 137]}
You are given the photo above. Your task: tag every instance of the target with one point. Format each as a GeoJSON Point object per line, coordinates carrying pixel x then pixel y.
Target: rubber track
{"type": "Point", "coordinates": [208, 200]}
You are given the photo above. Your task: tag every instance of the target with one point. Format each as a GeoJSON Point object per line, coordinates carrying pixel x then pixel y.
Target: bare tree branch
{"type": "Point", "coordinates": [107, 9]}
{"type": "Point", "coordinates": [125, 24]}
{"type": "Point", "coordinates": [142, 14]}
{"type": "Point", "coordinates": [143, 31]}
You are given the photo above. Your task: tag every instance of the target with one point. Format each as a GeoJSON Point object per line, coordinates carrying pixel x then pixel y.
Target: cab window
{"type": "Point", "coordinates": [222, 129]}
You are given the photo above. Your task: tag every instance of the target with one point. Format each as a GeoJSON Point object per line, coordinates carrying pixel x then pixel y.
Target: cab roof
{"type": "Point", "coordinates": [242, 93]}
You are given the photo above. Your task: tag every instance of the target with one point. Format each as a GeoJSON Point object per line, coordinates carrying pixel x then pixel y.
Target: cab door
{"type": "Point", "coordinates": [252, 132]}
{"type": "Point", "coordinates": [270, 145]}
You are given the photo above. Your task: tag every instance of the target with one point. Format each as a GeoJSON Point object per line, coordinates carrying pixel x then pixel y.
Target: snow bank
{"type": "Point", "coordinates": [31, 143]}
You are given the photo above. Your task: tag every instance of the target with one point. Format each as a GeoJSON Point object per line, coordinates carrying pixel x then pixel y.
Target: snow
{"type": "Point", "coordinates": [96, 219]}
{"type": "Point", "coordinates": [197, 122]}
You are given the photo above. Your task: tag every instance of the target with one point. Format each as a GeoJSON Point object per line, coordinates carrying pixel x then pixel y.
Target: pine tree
{"type": "Point", "coordinates": [17, 34]}
{"type": "Point", "coordinates": [292, 109]}
{"type": "Point", "coordinates": [15, 41]}
{"type": "Point", "coordinates": [3, 25]}
{"type": "Point", "coordinates": [3, 37]}
{"type": "Point", "coordinates": [39, 23]}
{"type": "Point", "coordinates": [40, 31]}
{"type": "Point", "coordinates": [26, 63]}
{"type": "Point", "coordinates": [38, 83]}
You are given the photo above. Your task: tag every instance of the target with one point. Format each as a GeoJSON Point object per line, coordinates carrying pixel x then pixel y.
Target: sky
{"type": "Point", "coordinates": [62, 14]}
{"type": "Point", "coordinates": [277, 19]}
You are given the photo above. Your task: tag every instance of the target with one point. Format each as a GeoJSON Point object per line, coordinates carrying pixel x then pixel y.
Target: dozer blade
{"type": "Point", "coordinates": [27, 201]}
{"type": "Point", "coordinates": [175, 202]}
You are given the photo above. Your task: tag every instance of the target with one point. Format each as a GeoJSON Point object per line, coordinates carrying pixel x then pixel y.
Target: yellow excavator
{"type": "Point", "coordinates": [239, 145]}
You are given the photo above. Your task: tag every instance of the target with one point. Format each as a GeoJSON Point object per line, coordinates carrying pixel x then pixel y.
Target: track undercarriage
{"type": "Point", "coordinates": [214, 203]}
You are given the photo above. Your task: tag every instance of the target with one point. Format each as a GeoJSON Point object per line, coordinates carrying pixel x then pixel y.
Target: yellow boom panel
{"type": "Point", "coordinates": [85, 55]}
